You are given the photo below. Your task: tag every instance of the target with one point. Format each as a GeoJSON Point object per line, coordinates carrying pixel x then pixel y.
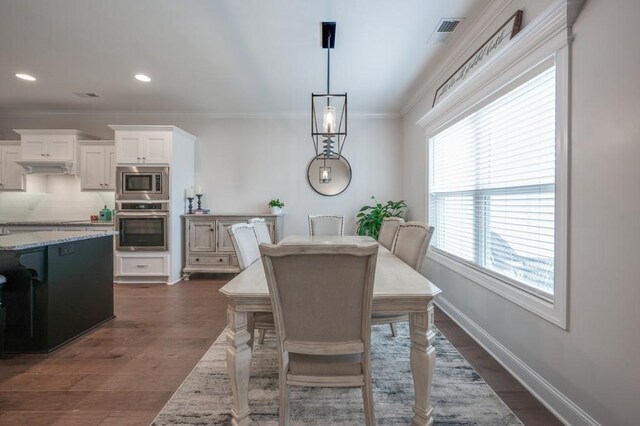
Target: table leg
{"type": "Point", "coordinates": [239, 365]}
{"type": "Point", "coordinates": [423, 361]}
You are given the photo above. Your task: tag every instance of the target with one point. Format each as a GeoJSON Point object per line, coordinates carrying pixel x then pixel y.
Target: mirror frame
{"type": "Point", "coordinates": [342, 157]}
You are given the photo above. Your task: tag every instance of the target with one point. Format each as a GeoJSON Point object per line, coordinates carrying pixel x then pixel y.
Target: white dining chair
{"type": "Point", "coordinates": [324, 224]}
{"type": "Point", "coordinates": [411, 243]}
{"type": "Point", "coordinates": [245, 243]}
{"type": "Point", "coordinates": [388, 231]}
{"type": "Point", "coordinates": [261, 229]}
{"type": "Point", "coordinates": [321, 298]}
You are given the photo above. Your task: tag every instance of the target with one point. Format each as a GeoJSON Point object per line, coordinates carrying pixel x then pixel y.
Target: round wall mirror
{"type": "Point", "coordinates": [330, 176]}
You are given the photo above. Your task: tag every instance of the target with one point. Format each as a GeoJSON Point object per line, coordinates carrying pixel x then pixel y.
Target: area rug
{"type": "Point", "coordinates": [459, 396]}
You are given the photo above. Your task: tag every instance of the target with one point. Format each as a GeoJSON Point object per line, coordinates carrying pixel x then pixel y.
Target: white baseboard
{"type": "Point", "coordinates": [557, 402]}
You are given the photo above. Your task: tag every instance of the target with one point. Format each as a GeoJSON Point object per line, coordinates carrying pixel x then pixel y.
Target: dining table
{"type": "Point", "coordinates": [398, 288]}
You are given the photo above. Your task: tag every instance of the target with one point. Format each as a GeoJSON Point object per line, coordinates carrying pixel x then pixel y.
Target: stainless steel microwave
{"type": "Point", "coordinates": [142, 183]}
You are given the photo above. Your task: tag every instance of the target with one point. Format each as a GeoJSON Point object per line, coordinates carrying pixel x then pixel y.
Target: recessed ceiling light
{"type": "Point", "coordinates": [142, 77]}
{"type": "Point", "coordinates": [26, 77]}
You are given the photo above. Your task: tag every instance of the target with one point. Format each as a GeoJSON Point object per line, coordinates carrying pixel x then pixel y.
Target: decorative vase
{"type": "Point", "coordinates": [276, 210]}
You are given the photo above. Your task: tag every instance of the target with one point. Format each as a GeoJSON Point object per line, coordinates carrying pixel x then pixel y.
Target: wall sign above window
{"type": "Point", "coordinates": [505, 33]}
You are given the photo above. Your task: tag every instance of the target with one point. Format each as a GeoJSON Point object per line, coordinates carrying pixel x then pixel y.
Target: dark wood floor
{"type": "Point", "coordinates": [124, 372]}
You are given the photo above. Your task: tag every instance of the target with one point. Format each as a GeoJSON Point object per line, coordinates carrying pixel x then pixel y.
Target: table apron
{"type": "Point", "coordinates": [384, 305]}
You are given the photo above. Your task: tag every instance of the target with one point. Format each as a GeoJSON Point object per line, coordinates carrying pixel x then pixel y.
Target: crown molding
{"type": "Point", "coordinates": [544, 36]}
{"type": "Point", "coordinates": [176, 114]}
{"type": "Point", "coordinates": [460, 43]}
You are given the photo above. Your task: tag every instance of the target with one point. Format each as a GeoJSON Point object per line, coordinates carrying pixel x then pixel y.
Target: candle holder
{"type": "Point", "coordinates": [190, 205]}
{"type": "Point", "coordinates": [199, 201]}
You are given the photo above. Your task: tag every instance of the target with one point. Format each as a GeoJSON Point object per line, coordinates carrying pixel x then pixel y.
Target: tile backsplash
{"type": "Point", "coordinates": [53, 197]}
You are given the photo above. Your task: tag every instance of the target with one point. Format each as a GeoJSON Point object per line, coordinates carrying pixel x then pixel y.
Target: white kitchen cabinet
{"type": "Point", "coordinates": [12, 176]}
{"type": "Point", "coordinates": [143, 147]}
{"type": "Point", "coordinates": [48, 147]}
{"type": "Point", "coordinates": [97, 167]}
{"type": "Point", "coordinates": [50, 150]}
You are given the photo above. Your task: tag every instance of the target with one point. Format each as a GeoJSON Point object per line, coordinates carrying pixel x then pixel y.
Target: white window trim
{"type": "Point", "coordinates": [548, 35]}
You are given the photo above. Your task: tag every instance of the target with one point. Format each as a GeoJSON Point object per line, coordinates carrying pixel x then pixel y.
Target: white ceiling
{"type": "Point", "coordinates": [217, 56]}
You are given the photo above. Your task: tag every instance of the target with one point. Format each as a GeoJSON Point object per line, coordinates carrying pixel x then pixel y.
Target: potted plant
{"type": "Point", "coordinates": [370, 217]}
{"type": "Point", "coordinates": [276, 206]}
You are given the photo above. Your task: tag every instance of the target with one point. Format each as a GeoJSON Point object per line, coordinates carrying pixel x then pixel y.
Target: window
{"type": "Point", "coordinates": [492, 185]}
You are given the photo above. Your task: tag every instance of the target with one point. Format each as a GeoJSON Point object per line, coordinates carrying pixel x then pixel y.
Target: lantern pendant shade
{"type": "Point", "coordinates": [328, 122]}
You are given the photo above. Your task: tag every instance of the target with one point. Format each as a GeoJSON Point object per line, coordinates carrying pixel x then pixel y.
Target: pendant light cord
{"type": "Point", "coordinates": [328, 66]}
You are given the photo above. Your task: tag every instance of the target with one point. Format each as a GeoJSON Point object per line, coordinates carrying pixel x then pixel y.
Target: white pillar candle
{"type": "Point", "coordinates": [190, 192]}
{"type": "Point", "coordinates": [199, 189]}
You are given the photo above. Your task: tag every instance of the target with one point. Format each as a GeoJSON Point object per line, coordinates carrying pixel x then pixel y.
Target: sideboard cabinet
{"type": "Point", "coordinates": [207, 244]}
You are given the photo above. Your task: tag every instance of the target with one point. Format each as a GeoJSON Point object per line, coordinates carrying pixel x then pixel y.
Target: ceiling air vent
{"type": "Point", "coordinates": [444, 29]}
{"type": "Point", "coordinates": [86, 95]}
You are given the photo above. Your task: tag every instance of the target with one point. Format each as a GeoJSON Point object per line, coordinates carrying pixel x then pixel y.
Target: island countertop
{"type": "Point", "coordinates": [28, 240]}
{"type": "Point", "coordinates": [86, 223]}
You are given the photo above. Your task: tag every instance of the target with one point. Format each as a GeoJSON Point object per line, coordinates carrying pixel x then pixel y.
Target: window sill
{"type": "Point", "coordinates": [552, 311]}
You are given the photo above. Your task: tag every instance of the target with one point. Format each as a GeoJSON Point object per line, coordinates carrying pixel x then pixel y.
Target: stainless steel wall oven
{"type": "Point", "coordinates": [142, 226]}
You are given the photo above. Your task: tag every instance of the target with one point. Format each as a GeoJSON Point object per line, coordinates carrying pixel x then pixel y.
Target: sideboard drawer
{"type": "Point", "coordinates": [206, 259]}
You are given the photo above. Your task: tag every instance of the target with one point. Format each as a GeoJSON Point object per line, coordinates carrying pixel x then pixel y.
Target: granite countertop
{"type": "Point", "coordinates": [28, 240]}
{"type": "Point", "coordinates": [54, 223]}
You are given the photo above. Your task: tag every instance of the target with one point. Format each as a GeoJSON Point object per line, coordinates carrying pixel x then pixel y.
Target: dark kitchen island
{"type": "Point", "coordinates": [59, 286]}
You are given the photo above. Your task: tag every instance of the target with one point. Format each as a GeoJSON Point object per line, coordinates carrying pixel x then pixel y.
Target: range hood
{"type": "Point", "coordinates": [46, 166]}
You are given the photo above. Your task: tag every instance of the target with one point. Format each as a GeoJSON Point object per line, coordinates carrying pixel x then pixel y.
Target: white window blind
{"type": "Point", "coordinates": [492, 186]}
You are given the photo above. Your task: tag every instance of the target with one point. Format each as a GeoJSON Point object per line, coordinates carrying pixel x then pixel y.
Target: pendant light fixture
{"type": "Point", "coordinates": [329, 173]}
{"type": "Point", "coordinates": [328, 110]}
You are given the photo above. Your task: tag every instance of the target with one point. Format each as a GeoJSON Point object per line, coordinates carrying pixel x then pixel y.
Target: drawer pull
{"type": "Point", "coordinates": [142, 266]}
{"type": "Point", "coordinates": [197, 259]}
{"type": "Point", "coordinates": [220, 260]}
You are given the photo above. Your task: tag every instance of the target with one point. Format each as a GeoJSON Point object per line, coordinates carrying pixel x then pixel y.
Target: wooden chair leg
{"type": "Point", "coordinates": [394, 330]}
{"type": "Point", "coordinates": [367, 399]}
{"type": "Point", "coordinates": [284, 403]}
{"type": "Point", "coordinates": [261, 336]}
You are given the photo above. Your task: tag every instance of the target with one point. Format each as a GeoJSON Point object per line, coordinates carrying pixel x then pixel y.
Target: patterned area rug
{"type": "Point", "coordinates": [459, 396]}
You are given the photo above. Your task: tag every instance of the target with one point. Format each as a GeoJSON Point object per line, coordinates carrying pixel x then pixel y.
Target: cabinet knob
{"type": "Point", "coordinates": [197, 259]}
{"type": "Point", "coordinates": [220, 260]}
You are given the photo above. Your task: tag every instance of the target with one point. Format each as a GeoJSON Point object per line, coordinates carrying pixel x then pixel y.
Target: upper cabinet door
{"type": "Point", "coordinates": [11, 174]}
{"type": "Point", "coordinates": [92, 167]}
{"type": "Point", "coordinates": [34, 147]}
{"type": "Point", "coordinates": [61, 147]}
{"type": "Point", "coordinates": [128, 148]}
{"type": "Point", "coordinates": [156, 147]}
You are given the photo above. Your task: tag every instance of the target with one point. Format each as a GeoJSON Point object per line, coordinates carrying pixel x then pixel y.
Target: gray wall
{"type": "Point", "coordinates": [243, 163]}
{"type": "Point", "coordinates": [595, 362]}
